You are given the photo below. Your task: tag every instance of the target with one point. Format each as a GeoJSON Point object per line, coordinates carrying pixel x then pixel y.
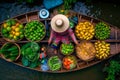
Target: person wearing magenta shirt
{"type": "Point", "coordinates": [60, 31]}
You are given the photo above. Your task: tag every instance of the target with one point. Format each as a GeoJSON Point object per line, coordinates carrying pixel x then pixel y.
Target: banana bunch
{"type": "Point", "coordinates": [102, 49]}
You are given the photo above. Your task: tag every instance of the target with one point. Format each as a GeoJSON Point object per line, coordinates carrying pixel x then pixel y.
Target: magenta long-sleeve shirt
{"type": "Point", "coordinates": [63, 37]}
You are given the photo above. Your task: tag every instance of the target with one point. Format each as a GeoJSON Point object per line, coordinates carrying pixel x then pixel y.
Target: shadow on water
{"type": "Point", "coordinates": [9, 71]}
{"type": "Point", "coordinates": [108, 12]}
{"type": "Point", "coordinates": [8, 10]}
{"type": "Point", "coordinates": [105, 11]}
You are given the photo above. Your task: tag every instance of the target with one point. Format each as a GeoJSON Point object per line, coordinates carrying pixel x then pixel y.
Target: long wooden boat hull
{"type": "Point", "coordinates": [114, 40]}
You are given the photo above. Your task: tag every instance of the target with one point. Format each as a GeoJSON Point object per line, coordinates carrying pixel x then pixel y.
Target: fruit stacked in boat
{"type": "Point", "coordinates": [56, 55]}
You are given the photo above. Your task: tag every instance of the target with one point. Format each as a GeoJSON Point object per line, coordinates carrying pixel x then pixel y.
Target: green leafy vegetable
{"type": "Point", "coordinates": [54, 63]}
{"type": "Point", "coordinates": [30, 53]}
{"type": "Point", "coordinates": [10, 51]}
{"type": "Point", "coordinates": [68, 3]}
{"type": "Point", "coordinates": [112, 70]}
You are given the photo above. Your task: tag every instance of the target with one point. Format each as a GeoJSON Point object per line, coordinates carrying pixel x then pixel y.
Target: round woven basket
{"type": "Point", "coordinates": [39, 39]}
{"type": "Point", "coordinates": [2, 55]}
{"type": "Point", "coordinates": [63, 53]}
{"type": "Point", "coordinates": [59, 62]}
{"type": "Point", "coordinates": [75, 61]}
{"type": "Point", "coordinates": [81, 38]}
{"type": "Point", "coordinates": [85, 51]}
{"type": "Point", "coordinates": [11, 40]}
{"type": "Point", "coordinates": [106, 37]}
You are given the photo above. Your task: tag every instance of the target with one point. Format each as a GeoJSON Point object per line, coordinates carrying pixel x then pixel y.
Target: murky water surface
{"type": "Point", "coordinates": [109, 12]}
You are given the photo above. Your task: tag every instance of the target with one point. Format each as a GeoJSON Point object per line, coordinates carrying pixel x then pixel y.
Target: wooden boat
{"type": "Point", "coordinates": [114, 39]}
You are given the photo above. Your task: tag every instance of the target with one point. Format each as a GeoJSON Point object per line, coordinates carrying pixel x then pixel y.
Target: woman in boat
{"type": "Point", "coordinates": [60, 31]}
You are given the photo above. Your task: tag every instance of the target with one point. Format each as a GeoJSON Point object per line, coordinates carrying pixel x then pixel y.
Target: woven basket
{"type": "Point", "coordinates": [36, 40]}
{"type": "Point", "coordinates": [78, 36]}
{"type": "Point", "coordinates": [63, 53]}
{"type": "Point", "coordinates": [59, 62]}
{"type": "Point", "coordinates": [7, 39]}
{"type": "Point", "coordinates": [85, 51]}
{"type": "Point", "coordinates": [75, 61]}
{"type": "Point", "coordinates": [106, 37]}
{"type": "Point", "coordinates": [2, 55]}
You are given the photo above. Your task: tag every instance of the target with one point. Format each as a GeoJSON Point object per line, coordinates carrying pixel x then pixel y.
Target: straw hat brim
{"type": "Point", "coordinates": [65, 25]}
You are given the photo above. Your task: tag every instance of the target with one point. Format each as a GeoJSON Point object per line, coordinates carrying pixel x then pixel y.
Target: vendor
{"type": "Point", "coordinates": [60, 31]}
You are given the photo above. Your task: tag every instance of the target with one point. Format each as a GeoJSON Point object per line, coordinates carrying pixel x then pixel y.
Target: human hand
{"type": "Point", "coordinates": [49, 41]}
{"type": "Point", "coordinates": [76, 42]}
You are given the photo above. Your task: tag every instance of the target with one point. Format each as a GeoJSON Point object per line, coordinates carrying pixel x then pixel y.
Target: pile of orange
{"type": "Point", "coordinates": [69, 62]}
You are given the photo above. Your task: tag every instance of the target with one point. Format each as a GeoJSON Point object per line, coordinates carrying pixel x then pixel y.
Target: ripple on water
{"type": "Point", "coordinates": [81, 7]}
{"type": "Point", "coordinates": [14, 9]}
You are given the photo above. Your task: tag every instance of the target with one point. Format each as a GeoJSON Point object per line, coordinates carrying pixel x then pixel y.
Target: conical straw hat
{"type": "Point", "coordinates": [59, 23]}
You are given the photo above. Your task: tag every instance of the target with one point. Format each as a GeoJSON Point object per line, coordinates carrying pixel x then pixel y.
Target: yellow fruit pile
{"type": "Point", "coordinates": [102, 49]}
{"type": "Point", "coordinates": [16, 31]}
{"type": "Point", "coordinates": [85, 30]}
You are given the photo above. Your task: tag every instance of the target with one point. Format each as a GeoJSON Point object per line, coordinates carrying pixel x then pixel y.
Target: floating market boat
{"type": "Point", "coordinates": [114, 40]}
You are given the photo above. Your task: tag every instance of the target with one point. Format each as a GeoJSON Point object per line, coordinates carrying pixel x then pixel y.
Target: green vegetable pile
{"type": "Point", "coordinates": [10, 51]}
{"type": "Point", "coordinates": [68, 3]}
{"type": "Point", "coordinates": [67, 49]}
{"type": "Point", "coordinates": [102, 31]}
{"type": "Point", "coordinates": [30, 54]}
{"type": "Point", "coordinates": [54, 63]}
{"type": "Point", "coordinates": [34, 31]}
{"type": "Point", "coordinates": [113, 69]}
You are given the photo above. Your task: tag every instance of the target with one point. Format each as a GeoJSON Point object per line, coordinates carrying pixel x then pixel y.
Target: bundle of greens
{"type": "Point", "coordinates": [30, 56]}
{"type": "Point", "coordinates": [68, 3]}
{"type": "Point", "coordinates": [54, 63]}
{"type": "Point", "coordinates": [10, 51]}
{"type": "Point", "coordinates": [112, 70]}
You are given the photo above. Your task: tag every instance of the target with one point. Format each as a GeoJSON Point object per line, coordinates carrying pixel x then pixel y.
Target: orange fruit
{"type": "Point", "coordinates": [17, 33]}
{"type": "Point", "coordinates": [13, 27]}
{"type": "Point", "coordinates": [17, 24]}
{"type": "Point", "coordinates": [13, 32]}
{"type": "Point", "coordinates": [4, 25]}
{"type": "Point", "coordinates": [17, 29]}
